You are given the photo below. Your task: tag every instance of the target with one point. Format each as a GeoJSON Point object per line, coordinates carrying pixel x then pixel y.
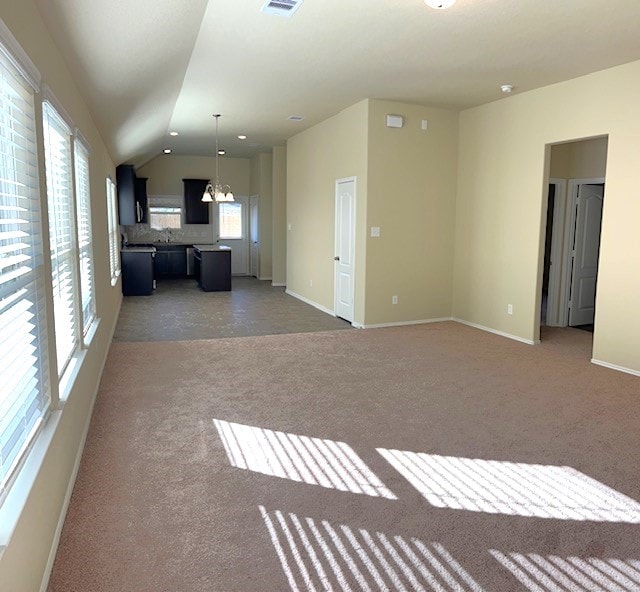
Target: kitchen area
{"type": "Point", "coordinates": [174, 236]}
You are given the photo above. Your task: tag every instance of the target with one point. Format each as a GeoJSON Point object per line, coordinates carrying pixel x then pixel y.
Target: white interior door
{"type": "Point", "coordinates": [233, 232]}
{"type": "Point", "coordinates": [345, 248]}
{"type": "Point", "coordinates": [254, 236]}
{"type": "Point", "coordinates": [586, 251]}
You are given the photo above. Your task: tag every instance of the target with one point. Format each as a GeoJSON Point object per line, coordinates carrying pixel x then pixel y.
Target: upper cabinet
{"type": "Point", "coordinates": [132, 196]}
{"type": "Point", "coordinates": [141, 200]}
{"type": "Point", "coordinates": [196, 211]}
{"type": "Point", "coordinates": [126, 181]}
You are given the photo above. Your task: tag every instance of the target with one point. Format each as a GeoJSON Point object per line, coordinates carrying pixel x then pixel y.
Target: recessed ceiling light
{"type": "Point", "coordinates": [222, 152]}
{"type": "Point", "coordinates": [242, 137]}
{"type": "Point", "coordinates": [167, 150]}
{"type": "Point", "coordinates": [295, 117]}
{"type": "Point", "coordinates": [173, 133]}
{"type": "Point", "coordinates": [440, 4]}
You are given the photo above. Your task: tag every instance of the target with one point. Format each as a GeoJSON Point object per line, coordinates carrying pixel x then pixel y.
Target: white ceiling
{"type": "Point", "coordinates": [150, 66]}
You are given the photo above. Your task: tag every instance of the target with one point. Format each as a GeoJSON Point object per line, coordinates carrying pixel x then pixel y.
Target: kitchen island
{"type": "Point", "coordinates": [213, 267]}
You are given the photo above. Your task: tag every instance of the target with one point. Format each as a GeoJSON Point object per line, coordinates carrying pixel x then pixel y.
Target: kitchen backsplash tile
{"type": "Point", "coordinates": [189, 233]}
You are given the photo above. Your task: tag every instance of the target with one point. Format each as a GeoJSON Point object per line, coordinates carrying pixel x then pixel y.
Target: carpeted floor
{"type": "Point", "coordinates": [285, 462]}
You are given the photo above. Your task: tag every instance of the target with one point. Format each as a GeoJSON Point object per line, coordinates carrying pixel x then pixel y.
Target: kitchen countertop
{"type": "Point", "coordinates": [211, 248]}
{"type": "Point", "coordinates": [160, 244]}
{"type": "Point", "coordinates": [134, 249]}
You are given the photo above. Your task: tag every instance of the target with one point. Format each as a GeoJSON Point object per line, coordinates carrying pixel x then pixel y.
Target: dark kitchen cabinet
{"type": "Point", "coordinates": [132, 196]}
{"type": "Point", "coordinates": [213, 268]}
{"type": "Point", "coordinates": [137, 272]}
{"type": "Point", "coordinates": [126, 182]}
{"type": "Point", "coordinates": [142, 215]}
{"type": "Point", "coordinates": [196, 211]}
{"type": "Point", "coordinates": [170, 261]}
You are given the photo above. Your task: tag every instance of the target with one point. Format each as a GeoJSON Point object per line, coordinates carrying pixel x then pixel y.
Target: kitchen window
{"type": "Point", "coordinates": [163, 217]}
{"type": "Point", "coordinates": [62, 238]}
{"type": "Point", "coordinates": [25, 397]}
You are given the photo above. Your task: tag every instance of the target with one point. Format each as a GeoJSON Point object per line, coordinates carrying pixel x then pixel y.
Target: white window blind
{"type": "Point", "coordinates": [24, 388]}
{"type": "Point", "coordinates": [112, 221]}
{"type": "Point", "coordinates": [57, 148]}
{"type": "Point", "coordinates": [85, 244]}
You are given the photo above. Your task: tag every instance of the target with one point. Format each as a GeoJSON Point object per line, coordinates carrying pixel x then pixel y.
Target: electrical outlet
{"type": "Point", "coordinates": [311, 283]}
{"type": "Point", "coordinates": [375, 231]}
{"type": "Point", "coordinates": [394, 300]}
{"type": "Point", "coordinates": [288, 226]}
{"type": "Point", "coordinates": [510, 309]}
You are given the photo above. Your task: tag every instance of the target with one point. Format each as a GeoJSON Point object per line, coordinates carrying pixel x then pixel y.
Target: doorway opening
{"type": "Point", "coordinates": [571, 247]}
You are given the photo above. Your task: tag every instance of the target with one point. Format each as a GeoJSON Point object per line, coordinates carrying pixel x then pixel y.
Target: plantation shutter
{"type": "Point", "coordinates": [85, 243]}
{"type": "Point", "coordinates": [24, 390]}
{"type": "Point", "coordinates": [57, 143]}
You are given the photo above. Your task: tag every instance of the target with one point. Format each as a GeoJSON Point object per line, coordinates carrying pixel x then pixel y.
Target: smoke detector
{"type": "Point", "coordinates": [506, 88]}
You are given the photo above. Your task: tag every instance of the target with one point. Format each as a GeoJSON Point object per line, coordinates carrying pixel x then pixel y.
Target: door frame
{"type": "Point", "coordinates": [555, 295]}
{"type": "Point", "coordinates": [353, 243]}
{"type": "Point", "coordinates": [570, 233]}
{"type": "Point", "coordinates": [245, 229]}
{"type": "Point", "coordinates": [254, 199]}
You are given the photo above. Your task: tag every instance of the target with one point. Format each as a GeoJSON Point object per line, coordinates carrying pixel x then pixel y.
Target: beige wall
{"type": "Point", "coordinates": [279, 228]}
{"type": "Point", "coordinates": [165, 173]}
{"type": "Point", "coordinates": [586, 159]}
{"type": "Point", "coordinates": [262, 186]}
{"type": "Point", "coordinates": [23, 562]}
{"type": "Point", "coordinates": [411, 197]}
{"type": "Point", "coordinates": [316, 158]}
{"type": "Point", "coordinates": [501, 207]}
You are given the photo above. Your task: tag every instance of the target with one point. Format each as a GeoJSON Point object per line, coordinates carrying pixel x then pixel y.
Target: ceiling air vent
{"type": "Point", "coordinates": [281, 7]}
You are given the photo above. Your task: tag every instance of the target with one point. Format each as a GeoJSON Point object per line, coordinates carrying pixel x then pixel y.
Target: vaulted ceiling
{"type": "Point", "coordinates": [147, 67]}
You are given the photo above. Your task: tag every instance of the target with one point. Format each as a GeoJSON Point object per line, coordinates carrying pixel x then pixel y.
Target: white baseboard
{"type": "Point", "coordinates": [401, 323]}
{"type": "Point", "coordinates": [496, 332]}
{"type": "Point", "coordinates": [614, 367]}
{"type": "Point", "coordinates": [311, 302]}
{"type": "Point", "coordinates": [264, 279]}
{"type": "Point", "coordinates": [278, 285]}
{"type": "Point", "coordinates": [76, 467]}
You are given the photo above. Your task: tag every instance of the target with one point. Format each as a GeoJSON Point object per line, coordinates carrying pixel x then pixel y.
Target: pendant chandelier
{"type": "Point", "coordinates": [217, 191]}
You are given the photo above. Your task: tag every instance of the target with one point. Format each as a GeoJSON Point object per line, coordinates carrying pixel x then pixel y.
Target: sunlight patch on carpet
{"type": "Point", "coordinates": [539, 573]}
{"type": "Point", "coordinates": [316, 555]}
{"type": "Point", "coordinates": [519, 489]}
{"type": "Point", "coordinates": [316, 461]}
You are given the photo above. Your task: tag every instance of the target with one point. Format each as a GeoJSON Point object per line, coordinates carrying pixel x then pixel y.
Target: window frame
{"type": "Point", "coordinates": [113, 230]}
{"type": "Point", "coordinates": [63, 233]}
{"type": "Point", "coordinates": [84, 235]}
{"type": "Point", "coordinates": [222, 205]}
{"type": "Point", "coordinates": [22, 289]}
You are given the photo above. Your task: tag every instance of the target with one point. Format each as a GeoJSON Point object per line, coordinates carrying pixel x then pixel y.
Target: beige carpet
{"type": "Point", "coordinates": [326, 494]}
